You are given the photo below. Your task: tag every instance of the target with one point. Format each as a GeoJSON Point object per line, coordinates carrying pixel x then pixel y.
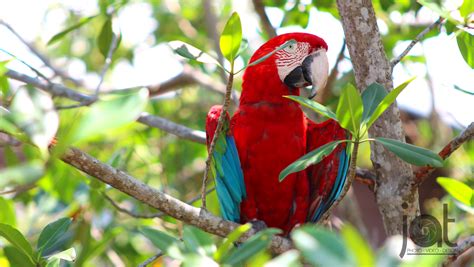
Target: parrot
{"type": "Point", "coordinates": [268, 132]}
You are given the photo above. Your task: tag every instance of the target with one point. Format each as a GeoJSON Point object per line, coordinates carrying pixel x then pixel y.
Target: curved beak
{"type": "Point", "coordinates": [313, 71]}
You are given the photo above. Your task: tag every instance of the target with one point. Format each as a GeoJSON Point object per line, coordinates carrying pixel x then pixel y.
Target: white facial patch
{"type": "Point", "coordinates": [319, 69]}
{"type": "Point", "coordinates": [290, 58]}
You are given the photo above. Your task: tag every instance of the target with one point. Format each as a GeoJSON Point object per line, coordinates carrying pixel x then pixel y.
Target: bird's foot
{"type": "Point", "coordinates": [258, 225]}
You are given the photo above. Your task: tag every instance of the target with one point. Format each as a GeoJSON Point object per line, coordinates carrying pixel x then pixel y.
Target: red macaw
{"type": "Point", "coordinates": [268, 132]}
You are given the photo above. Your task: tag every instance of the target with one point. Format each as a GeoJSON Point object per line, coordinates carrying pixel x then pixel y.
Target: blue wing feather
{"type": "Point", "coordinates": [344, 159]}
{"type": "Point", "coordinates": [229, 178]}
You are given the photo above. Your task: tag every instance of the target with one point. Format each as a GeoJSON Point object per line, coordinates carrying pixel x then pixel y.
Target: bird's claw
{"type": "Point", "coordinates": [258, 225]}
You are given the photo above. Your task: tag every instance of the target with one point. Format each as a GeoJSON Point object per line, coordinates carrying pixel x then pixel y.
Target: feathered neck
{"type": "Point", "coordinates": [261, 83]}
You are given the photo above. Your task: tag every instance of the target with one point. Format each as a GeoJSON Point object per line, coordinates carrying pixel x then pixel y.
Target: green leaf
{"type": "Point", "coordinates": [52, 233]}
{"type": "Point", "coordinates": [17, 240]}
{"type": "Point", "coordinates": [229, 241]}
{"type": "Point", "coordinates": [466, 46]}
{"type": "Point", "coordinates": [17, 258]}
{"type": "Point", "coordinates": [7, 214]}
{"type": "Point", "coordinates": [106, 35]}
{"type": "Point", "coordinates": [231, 38]}
{"type": "Point", "coordinates": [53, 263]}
{"type": "Point", "coordinates": [412, 154]}
{"type": "Point", "coordinates": [320, 247]}
{"type": "Point", "coordinates": [165, 242]}
{"type": "Point", "coordinates": [371, 98]}
{"type": "Point", "coordinates": [349, 109]}
{"type": "Point", "coordinates": [67, 255]}
{"type": "Point", "coordinates": [458, 190]}
{"type": "Point", "coordinates": [323, 110]}
{"type": "Point", "coordinates": [466, 8]}
{"type": "Point", "coordinates": [111, 113]}
{"type": "Point", "coordinates": [63, 33]}
{"type": "Point", "coordinates": [198, 241]}
{"type": "Point", "coordinates": [33, 111]}
{"type": "Point", "coordinates": [190, 52]}
{"type": "Point", "coordinates": [311, 158]}
{"type": "Point", "coordinates": [289, 258]}
{"type": "Point", "coordinates": [358, 246]}
{"type": "Point", "coordinates": [4, 84]}
{"type": "Point", "coordinates": [249, 248]}
{"type": "Point", "coordinates": [387, 101]}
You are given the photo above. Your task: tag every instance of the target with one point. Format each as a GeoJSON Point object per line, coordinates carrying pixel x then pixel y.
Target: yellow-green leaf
{"type": "Point", "coordinates": [231, 37]}
{"type": "Point", "coordinates": [357, 245]}
{"type": "Point", "coordinates": [457, 189]}
{"type": "Point", "coordinates": [349, 109]}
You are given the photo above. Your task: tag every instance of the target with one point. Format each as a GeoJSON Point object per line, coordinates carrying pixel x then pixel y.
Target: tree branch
{"type": "Point", "coordinates": [151, 259]}
{"type": "Point", "coordinates": [464, 246]}
{"type": "Point", "coordinates": [159, 200]}
{"type": "Point", "coordinates": [417, 39]}
{"type": "Point", "coordinates": [366, 177]}
{"type": "Point", "coordinates": [264, 20]}
{"type": "Point", "coordinates": [147, 119]}
{"type": "Point", "coordinates": [466, 135]}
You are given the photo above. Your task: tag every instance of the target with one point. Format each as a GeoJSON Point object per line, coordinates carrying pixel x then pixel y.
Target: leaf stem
{"type": "Point", "coordinates": [220, 123]}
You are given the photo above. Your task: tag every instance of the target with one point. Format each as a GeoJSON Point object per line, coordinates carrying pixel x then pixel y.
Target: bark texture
{"type": "Point", "coordinates": [394, 194]}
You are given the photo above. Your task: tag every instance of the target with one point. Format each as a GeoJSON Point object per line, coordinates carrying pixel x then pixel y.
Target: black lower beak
{"type": "Point", "coordinates": [301, 76]}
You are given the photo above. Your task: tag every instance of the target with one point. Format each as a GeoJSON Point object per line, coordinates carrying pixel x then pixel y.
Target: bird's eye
{"type": "Point", "coordinates": [291, 48]}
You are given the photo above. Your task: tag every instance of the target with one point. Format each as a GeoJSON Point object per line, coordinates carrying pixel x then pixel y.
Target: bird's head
{"type": "Point", "coordinates": [302, 62]}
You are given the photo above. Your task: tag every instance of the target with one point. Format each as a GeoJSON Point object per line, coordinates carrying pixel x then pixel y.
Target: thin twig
{"type": "Point", "coordinates": [366, 177]}
{"type": "Point", "coordinates": [264, 20]}
{"type": "Point", "coordinates": [28, 65]}
{"type": "Point", "coordinates": [463, 246]}
{"type": "Point", "coordinates": [43, 58]}
{"type": "Point", "coordinates": [417, 39]}
{"type": "Point", "coordinates": [219, 127]}
{"type": "Point", "coordinates": [108, 61]}
{"type": "Point", "coordinates": [151, 259]}
{"type": "Point", "coordinates": [466, 135]}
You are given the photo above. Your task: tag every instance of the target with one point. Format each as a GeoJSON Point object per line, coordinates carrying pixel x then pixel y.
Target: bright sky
{"type": "Point", "coordinates": [153, 64]}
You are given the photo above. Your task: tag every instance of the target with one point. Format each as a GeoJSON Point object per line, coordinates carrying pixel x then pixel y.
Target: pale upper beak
{"type": "Point", "coordinates": [312, 71]}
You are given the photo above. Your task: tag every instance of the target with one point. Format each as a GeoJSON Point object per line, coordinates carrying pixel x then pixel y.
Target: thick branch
{"type": "Point", "coordinates": [462, 247]}
{"type": "Point", "coordinates": [370, 65]}
{"type": "Point", "coordinates": [417, 39]}
{"type": "Point", "coordinates": [264, 20]}
{"type": "Point", "coordinates": [159, 200]}
{"type": "Point", "coordinates": [147, 119]}
{"type": "Point", "coordinates": [466, 135]}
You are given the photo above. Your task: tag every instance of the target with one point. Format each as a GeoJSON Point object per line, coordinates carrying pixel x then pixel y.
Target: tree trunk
{"type": "Point", "coordinates": [395, 195]}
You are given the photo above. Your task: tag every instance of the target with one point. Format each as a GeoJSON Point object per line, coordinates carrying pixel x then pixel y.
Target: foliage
{"type": "Point", "coordinates": [44, 189]}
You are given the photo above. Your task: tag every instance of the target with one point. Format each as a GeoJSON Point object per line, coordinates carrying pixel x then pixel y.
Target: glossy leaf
{"type": "Point", "coordinates": [111, 113]}
{"type": "Point", "coordinates": [358, 246]}
{"type": "Point", "coordinates": [457, 189]}
{"type": "Point", "coordinates": [320, 247]}
{"type": "Point", "coordinates": [466, 46]}
{"type": "Point", "coordinates": [387, 101]}
{"type": "Point", "coordinates": [198, 241]}
{"type": "Point", "coordinates": [466, 8]}
{"type": "Point", "coordinates": [315, 106]}
{"type": "Point", "coordinates": [251, 247]}
{"type": "Point", "coordinates": [349, 109]}
{"type": "Point", "coordinates": [311, 158]}
{"type": "Point", "coordinates": [52, 233]}
{"type": "Point", "coordinates": [190, 52]}
{"type": "Point", "coordinates": [412, 154]}
{"type": "Point", "coordinates": [289, 258]}
{"type": "Point", "coordinates": [63, 33]}
{"type": "Point", "coordinates": [231, 37]}
{"type": "Point", "coordinates": [229, 241]}
{"type": "Point", "coordinates": [17, 239]}
{"type": "Point", "coordinates": [7, 214]}
{"type": "Point", "coordinates": [165, 242]}
{"type": "Point", "coordinates": [105, 38]}
{"type": "Point", "coordinates": [17, 258]}
{"type": "Point", "coordinates": [371, 98]}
